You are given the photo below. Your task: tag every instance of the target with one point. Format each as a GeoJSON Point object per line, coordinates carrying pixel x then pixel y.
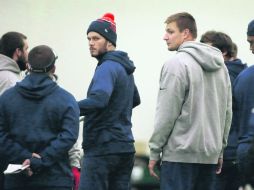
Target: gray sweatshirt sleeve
{"type": "Point", "coordinates": [169, 102]}
{"type": "Point", "coordinates": [75, 156]}
{"type": "Point", "coordinates": [228, 120]}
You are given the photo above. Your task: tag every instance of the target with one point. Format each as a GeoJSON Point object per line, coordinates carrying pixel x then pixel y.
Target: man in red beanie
{"type": "Point", "coordinates": [107, 135]}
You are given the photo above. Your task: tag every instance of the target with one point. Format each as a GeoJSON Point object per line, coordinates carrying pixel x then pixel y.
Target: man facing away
{"type": "Point", "coordinates": [13, 60]}
{"type": "Point", "coordinates": [244, 103]}
{"type": "Point", "coordinates": [112, 94]}
{"type": "Point", "coordinates": [38, 125]}
{"type": "Point", "coordinates": [228, 48]}
{"type": "Point", "coordinates": [193, 113]}
{"type": "Point", "coordinates": [230, 178]}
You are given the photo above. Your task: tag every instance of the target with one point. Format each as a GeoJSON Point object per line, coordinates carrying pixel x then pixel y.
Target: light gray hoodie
{"type": "Point", "coordinates": [9, 73]}
{"type": "Point", "coordinates": [194, 107]}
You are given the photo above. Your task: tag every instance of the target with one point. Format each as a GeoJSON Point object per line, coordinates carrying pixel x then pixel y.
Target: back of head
{"type": "Point", "coordinates": [234, 50]}
{"type": "Point", "coordinates": [184, 21]}
{"type": "Point", "coordinates": [10, 42]}
{"type": "Point", "coordinates": [250, 30]}
{"type": "Point", "coordinates": [208, 37]}
{"type": "Point", "coordinates": [106, 27]}
{"type": "Point", "coordinates": [41, 59]}
{"type": "Point", "coordinates": [219, 40]}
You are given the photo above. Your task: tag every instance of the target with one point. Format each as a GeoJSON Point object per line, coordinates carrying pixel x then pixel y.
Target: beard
{"type": "Point", "coordinates": [101, 51]}
{"type": "Point", "coordinates": [22, 63]}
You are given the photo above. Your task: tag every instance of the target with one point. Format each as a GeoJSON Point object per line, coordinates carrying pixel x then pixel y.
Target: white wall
{"type": "Point", "coordinates": [62, 24]}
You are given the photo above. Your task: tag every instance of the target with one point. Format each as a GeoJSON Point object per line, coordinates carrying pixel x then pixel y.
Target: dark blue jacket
{"type": "Point", "coordinates": [243, 97]}
{"type": "Point", "coordinates": [108, 107]}
{"type": "Point", "coordinates": [37, 116]}
{"type": "Point", "coordinates": [234, 68]}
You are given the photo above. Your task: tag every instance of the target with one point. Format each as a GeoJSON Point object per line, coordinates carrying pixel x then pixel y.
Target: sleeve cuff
{"type": "Point", "coordinates": [35, 164]}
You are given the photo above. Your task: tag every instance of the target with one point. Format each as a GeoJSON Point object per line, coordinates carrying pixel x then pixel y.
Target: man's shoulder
{"type": "Point", "coordinates": [61, 92]}
{"type": "Point", "coordinates": [64, 96]}
{"type": "Point", "coordinates": [8, 93]}
{"type": "Point", "coordinates": [174, 63]}
{"type": "Point", "coordinates": [110, 64]}
{"type": "Point", "coordinates": [247, 73]}
{"type": "Point", "coordinates": [9, 65]}
{"type": "Point", "coordinates": [9, 74]}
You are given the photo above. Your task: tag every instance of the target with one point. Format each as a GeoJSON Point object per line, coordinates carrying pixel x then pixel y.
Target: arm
{"type": "Point", "coordinates": [227, 121]}
{"type": "Point", "coordinates": [136, 97]}
{"type": "Point", "coordinates": [169, 103]}
{"type": "Point", "coordinates": [64, 141]}
{"type": "Point", "coordinates": [74, 156]}
{"type": "Point", "coordinates": [100, 89]}
{"type": "Point", "coordinates": [9, 149]}
{"type": "Point", "coordinates": [251, 126]}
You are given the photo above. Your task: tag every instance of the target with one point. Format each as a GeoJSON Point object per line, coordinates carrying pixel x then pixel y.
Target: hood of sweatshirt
{"type": "Point", "coordinates": [120, 57]}
{"type": "Point", "coordinates": [8, 64]}
{"type": "Point", "coordinates": [36, 86]}
{"type": "Point", "coordinates": [208, 57]}
{"type": "Point", "coordinates": [235, 66]}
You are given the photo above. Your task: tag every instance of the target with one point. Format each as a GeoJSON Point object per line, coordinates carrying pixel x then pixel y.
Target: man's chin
{"type": "Point", "coordinates": [94, 55]}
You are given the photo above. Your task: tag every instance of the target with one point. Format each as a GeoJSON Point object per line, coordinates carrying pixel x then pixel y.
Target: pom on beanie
{"type": "Point", "coordinates": [250, 30]}
{"type": "Point", "coordinates": [106, 27]}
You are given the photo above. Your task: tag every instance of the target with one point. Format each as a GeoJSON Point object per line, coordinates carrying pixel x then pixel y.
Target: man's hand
{"type": "Point", "coordinates": [28, 170]}
{"type": "Point", "coordinates": [35, 155]}
{"type": "Point", "coordinates": [219, 166]}
{"type": "Point", "coordinates": [151, 166]}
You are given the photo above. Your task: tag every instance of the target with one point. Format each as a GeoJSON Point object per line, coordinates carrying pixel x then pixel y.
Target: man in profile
{"type": "Point", "coordinates": [244, 103]}
{"type": "Point", "coordinates": [13, 60]}
{"type": "Point", "coordinates": [193, 113]}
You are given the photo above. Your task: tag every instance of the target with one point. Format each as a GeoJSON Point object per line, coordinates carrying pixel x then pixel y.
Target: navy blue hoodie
{"type": "Point", "coordinates": [37, 116]}
{"type": "Point", "coordinates": [243, 103]}
{"type": "Point", "coordinates": [108, 107]}
{"type": "Point", "coordinates": [234, 67]}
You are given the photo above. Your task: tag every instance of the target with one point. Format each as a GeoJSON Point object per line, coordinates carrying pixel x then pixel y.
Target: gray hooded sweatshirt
{"type": "Point", "coordinates": [9, 73]}
{"type": "Point", "coordinates": [194, 107]}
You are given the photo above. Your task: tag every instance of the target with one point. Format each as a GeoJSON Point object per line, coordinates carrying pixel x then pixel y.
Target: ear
{"type": "Point", "coordinates": [53, 69]}
{"type": "Point", "coordinates": [17, 53]}
{"type": "Point", "coordinates": [225, 53]}
{"type": "Point", "coordinates": [186, 33]}
{"type": "Point", "coordinates": [110, 46]}
{"type": "Point", "coordinates": [28, 66]}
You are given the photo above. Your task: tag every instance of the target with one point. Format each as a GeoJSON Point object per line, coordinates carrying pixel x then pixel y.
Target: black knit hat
{"type": "Point", "coordinates": [41, 59]}
{"type": "Point", "coordinates": [250, 31]}
{"type": "Point", "coordinates": [105, 26]}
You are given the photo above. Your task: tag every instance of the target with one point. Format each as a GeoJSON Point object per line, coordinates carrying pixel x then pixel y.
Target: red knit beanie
{"type": "Point", "coordinates": [106, 27]}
